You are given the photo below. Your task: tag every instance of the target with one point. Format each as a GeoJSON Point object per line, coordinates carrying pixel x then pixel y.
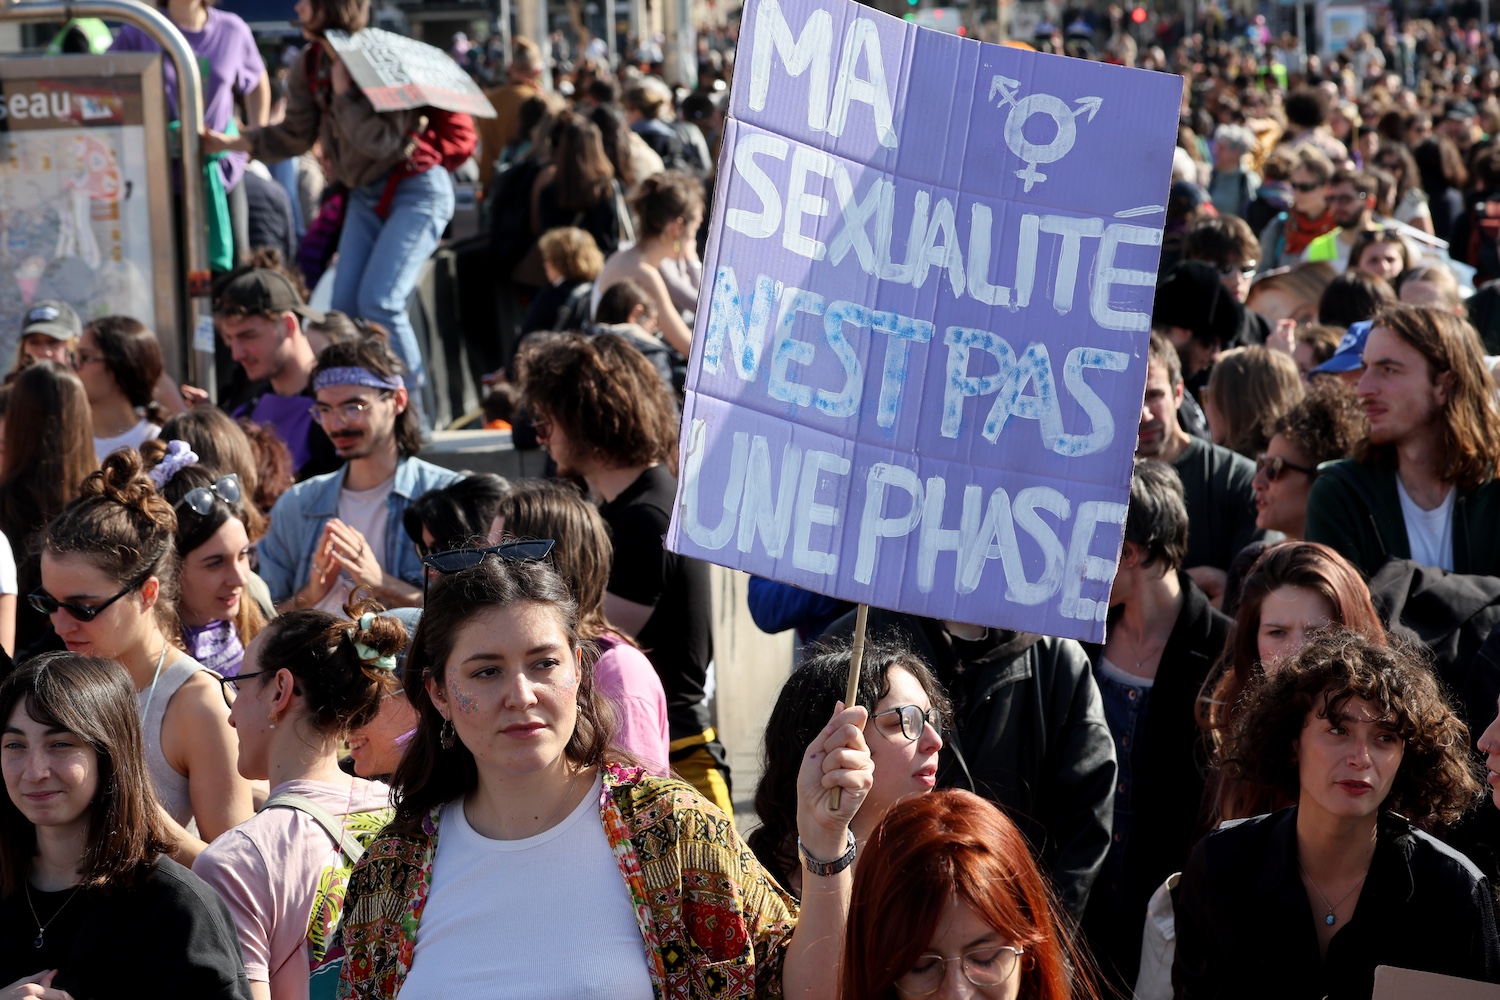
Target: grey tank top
{"type": "Point", "coordinates": [171, 787]}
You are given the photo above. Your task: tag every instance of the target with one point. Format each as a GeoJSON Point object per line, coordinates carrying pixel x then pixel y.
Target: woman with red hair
{"type": "Point", "coordinates": [948, 903]}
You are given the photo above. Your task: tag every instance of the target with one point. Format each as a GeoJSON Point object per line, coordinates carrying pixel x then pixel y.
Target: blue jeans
{"type": "Point", "coordinates": [380, 259]}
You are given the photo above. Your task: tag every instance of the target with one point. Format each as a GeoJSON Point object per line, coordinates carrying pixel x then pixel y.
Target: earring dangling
{"type": "Point", "coordinates": [446, 736]}
{"type": "Point", "coordinates": [676, 248]}
{"type": "Point", "coordinates": [271, 720]}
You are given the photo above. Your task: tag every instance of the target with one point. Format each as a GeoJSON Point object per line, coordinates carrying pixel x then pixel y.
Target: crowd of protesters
{"type": "Point", "coordinates": [292, 712]}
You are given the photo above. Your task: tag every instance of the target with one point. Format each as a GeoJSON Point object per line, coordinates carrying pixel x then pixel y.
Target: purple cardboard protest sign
{"type": "Point", "coordinates": [921, 343]}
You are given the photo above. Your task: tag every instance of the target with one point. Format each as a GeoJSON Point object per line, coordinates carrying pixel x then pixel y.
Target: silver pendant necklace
{"type": "Point", "coordinates": [1330, 919]}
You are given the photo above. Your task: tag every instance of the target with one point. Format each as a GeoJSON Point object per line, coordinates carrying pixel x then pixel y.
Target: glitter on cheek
{"type": "Point", "coordinates": [467, 703]}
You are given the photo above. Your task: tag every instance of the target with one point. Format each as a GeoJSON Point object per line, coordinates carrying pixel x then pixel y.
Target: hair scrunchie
{"type": "Point", "coordinates": [178, 457]}
{"type": "Point", "coordinates": [370, 656]}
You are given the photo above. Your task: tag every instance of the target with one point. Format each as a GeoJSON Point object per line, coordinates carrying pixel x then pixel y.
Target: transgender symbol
{"type": "Point", "coordinates": [1039, 104]}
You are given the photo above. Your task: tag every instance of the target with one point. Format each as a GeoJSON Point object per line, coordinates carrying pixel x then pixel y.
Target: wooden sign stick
{"type": "Point", "coordinates": [851, 691]}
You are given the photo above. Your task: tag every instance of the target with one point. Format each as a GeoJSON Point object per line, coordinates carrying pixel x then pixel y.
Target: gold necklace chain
{"type": "Point", "coordinates": [41, 928]}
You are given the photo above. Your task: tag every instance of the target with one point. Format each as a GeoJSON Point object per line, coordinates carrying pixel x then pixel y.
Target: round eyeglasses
{"type": "Point", "coordinates": [912, 718]}
{"type": "Point", "coordinates": [982, 967]}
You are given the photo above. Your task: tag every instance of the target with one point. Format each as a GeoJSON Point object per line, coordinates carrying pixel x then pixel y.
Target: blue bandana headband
{"type": "Point", "coordinates": [330, 377]}
{"type": "Point", "coordinates": [367, 619]}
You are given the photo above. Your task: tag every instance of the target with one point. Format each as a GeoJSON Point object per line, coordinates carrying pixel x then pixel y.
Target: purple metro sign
{"type": "Point", "coordinates": [921, 342]}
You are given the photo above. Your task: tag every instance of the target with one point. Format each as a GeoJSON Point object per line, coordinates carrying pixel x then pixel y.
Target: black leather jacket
{"type": "Point", "coordinates": [1029, 735]}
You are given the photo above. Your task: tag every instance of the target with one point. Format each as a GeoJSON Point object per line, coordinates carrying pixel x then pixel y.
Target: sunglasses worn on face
{"type": "Point", "coordinates": [201, 500]}
{"type": "Point", "coordinates": [457, 560]}
{"type": "Point", "coordinates": [1306, 188]}
{"type": "Point", "coordinates": [1274, 467]}
{"type": "Point", "coordinates": [46, 604]}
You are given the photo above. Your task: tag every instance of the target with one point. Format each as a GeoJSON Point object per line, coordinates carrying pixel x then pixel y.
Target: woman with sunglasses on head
{"type": "Point", "coordinates": [1307, 901]}
{"type": "Point", "coordinates": [582, 555]}
{"type": "Point", "coordinates": [91, 905]}
{"type": "Point", "coordinates": [1325, 426]}
{"type": "Point", "coordinates": [529, 859]}
{"type": "Point", "coordinates": [948, 903]}
{"type": "Point", "coordinates": [309, 679]}
{"type": "Point", "coordinates": [1293, 591]}
{"type": "Point", "coordinates": [109, 583]}
{"type": "Point", "coordinates": [216, 608]}
{"type": "Point", "coordinates": [908, 712]}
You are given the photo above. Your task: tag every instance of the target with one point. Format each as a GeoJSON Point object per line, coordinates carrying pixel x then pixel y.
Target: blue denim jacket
{"type": "Point", "coordinates": [297, 520]}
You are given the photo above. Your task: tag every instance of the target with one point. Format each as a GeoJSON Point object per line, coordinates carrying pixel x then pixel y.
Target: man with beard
{"type": "Point", "coordinates": [1422, 485]}
{"type": "Point", "coordinates": [606, 418]}
{"type": "Point", "coordinates": [259, 313]}
{"type": "Point", "coordinates": [1216, 482]}
{"type": "Point", "coordinates": [1351, 198]}
{"type": "Point", "coordinates": [335, 532]}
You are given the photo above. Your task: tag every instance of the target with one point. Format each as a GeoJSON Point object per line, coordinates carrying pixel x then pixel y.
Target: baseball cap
{"type": "Point", "coordinates": [261, 290]}
{"type": "Point", "coordinates": [52, 318]}
{"type": "Point", "coordinates": [1460, 110]}
{"type": "Point", "coordinates": [1351, 352]}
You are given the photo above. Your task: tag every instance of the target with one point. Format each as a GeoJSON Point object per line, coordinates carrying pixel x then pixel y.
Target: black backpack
{"type": "Point", "coordinates": [510, 214]}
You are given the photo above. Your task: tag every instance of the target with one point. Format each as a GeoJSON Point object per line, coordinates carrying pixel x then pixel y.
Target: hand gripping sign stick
{"type": "Point", "coordinates": [851, 690]}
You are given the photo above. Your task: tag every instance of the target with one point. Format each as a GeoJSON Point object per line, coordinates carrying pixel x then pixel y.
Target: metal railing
{"type": "Point", "coordinates": [194, 242]}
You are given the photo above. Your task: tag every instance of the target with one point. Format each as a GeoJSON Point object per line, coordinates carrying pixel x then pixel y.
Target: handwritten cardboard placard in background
{"type": "Point", "coordinates": [921, 344]}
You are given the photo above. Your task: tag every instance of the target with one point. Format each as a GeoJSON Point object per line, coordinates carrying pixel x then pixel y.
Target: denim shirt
{"type": "Point", "coordinates": [297, 520]}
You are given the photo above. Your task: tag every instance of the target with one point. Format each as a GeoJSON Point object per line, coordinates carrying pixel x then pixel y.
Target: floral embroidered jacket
{"type": "Point", "coordinates": [713, 923]}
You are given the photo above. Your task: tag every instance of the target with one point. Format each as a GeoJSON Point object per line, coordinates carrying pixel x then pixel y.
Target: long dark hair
{"type": "Point", "coordinates": [133, 356]}
{"type": "Point", "coordinates": [802, 710]}
{"type": "Point", "coordinates": [429, 775]}
{"type": "Point", "coordinates": [49, 448]}
{"type": "Point", "coordinates": [457, 514]}
{"type": "Point", "coordinates": [94, 699]}
{"type": "Point", "coordinates": [584, 172]}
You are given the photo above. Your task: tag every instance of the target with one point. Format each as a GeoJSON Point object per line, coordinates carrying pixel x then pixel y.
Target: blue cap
{"type": "Point", "coordinates": [1351, 353]}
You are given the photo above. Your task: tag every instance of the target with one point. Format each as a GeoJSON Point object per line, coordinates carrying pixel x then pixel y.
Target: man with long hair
{"type": "Point", "coordinates": [605, 417]}
{"type": "Point", "coordinates": [1422, 485]}
{"type": "Point", "coordinates": [343, 530]}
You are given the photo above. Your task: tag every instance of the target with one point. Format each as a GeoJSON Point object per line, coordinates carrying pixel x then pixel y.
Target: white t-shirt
{"type": "Point", "coordinates": [545, 918]}
{"type": "Point", "coordinates": [133, 438]}
{"type": "Point", "coordinates": [365, 512]}
{"type": "Point", "coordinates": [1429, 532]}
{"type": "Point", "coordinates": [8, 583]}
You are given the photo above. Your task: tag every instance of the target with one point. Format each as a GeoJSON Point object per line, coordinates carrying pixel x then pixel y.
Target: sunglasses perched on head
{"type": "Point", "coordinates": [458, 560]}
{"type": "Point", "coordinates": [1274, 467]}
{"type": "Point", "coordinates": [201, 499]}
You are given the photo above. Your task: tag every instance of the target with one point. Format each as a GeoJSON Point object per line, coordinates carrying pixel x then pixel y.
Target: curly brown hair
{"type": "Point", "coordinates": [1328, 424]}
{"type": "Point", "coordinates": [1438, 778]}
{"type": "Point", "coordinates": [604, 394]}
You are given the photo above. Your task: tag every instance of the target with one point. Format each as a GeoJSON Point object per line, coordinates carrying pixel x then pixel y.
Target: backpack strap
{"type": "Point", "coordinates": [347, 843]}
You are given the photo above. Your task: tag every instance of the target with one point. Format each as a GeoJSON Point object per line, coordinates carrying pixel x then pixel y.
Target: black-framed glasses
{"type": "Point", "coordinates": [349, 412]}
{"type": "Point", "coordinates": [46, 604]}
{"type": "Point", "coordinates": [989, 966]}
{"type": "Point", "coordinates": [458, 560]}
{"type": "Point", "coordinates": [912, 718]}
{"type": "Point", "coordinates": [201, 499]}
{"type": "Point", "coordinates": [1274, 467]}
{"type": "Point", "coordinates": [229, 686]}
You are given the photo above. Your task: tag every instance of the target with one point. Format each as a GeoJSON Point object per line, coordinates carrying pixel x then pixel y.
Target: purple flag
{"type": "Point", "coordinates": [921, 342]}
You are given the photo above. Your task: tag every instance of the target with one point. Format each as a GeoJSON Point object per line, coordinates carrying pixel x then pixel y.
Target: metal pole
{"type": "Point", "coordinates": [190, 112]}
{"type": "Point", "coordinates": [1301, 39]}
{"type": "Point", "coordinates": [609, 33]}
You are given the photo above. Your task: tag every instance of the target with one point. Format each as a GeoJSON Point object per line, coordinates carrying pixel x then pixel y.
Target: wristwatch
{"type": "Point", "coordinates": [826, 868]}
